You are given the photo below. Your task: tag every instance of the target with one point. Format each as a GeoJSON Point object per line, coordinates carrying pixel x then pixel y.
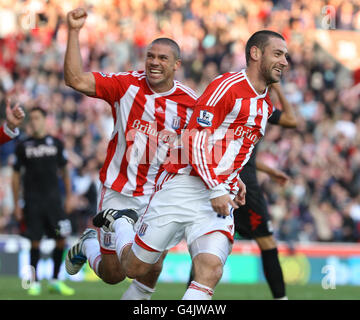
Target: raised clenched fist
{"type": "Point", "coordinates": [76, 18]}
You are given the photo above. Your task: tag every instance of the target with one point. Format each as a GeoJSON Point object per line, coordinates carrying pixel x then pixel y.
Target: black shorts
{"type": "Point", "coordinates": [252, 220]}
{"type": "Point", "coordinates": [45, 218]}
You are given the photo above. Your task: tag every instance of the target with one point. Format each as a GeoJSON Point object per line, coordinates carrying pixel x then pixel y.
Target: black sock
{"type": "Point", "coordinates": [57, 257]}
{"type": "Point", "coordinates": [273, 272]}
{"type": "Point", "coordinates": [34, 259]}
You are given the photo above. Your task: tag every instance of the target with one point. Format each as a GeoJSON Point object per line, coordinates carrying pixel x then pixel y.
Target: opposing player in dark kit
{"type": "Point", "coordinates": [40, 161]}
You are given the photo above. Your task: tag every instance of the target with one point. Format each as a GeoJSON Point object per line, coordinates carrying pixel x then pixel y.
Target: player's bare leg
{"type": "Point", "coordinates": [110, 269]}
{"type": "Point", "coordinates": [271, 266]}
{"type": "Point", "coordinates": [143, 287]}
{"type": "Point", "coordinates": [145, 275]}
{"type": "Point", "coordinates": [207, 270]}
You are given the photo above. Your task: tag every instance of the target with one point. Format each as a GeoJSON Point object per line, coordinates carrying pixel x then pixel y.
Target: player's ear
{"type": "Point", "coordinates": [177, 65]}
{"type": "Point", "coordinates": [255, 53]}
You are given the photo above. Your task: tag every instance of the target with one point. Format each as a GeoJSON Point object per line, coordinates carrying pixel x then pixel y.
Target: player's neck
{"type": "Point", "coordinates": [256, 80]}
{"type": "Point", "coordinates": [162, 87]}
{"type": "Point", "coordinates": [39, 135]}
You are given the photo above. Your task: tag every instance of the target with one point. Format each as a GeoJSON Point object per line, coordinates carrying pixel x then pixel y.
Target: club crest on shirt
{"type": "Point", "coordinates": [205, 118]}
{"type": "Point", "coordinates": [142, 229]}
{"type": "Point", "coordinates": [176, 122]}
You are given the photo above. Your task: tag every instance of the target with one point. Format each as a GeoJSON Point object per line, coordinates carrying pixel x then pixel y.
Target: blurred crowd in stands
{"type": "Point", "coordinates": [322, 156]}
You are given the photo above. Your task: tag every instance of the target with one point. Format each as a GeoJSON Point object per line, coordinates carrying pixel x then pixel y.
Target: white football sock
{"type": "Point", "coordinates": [197, 291]}
{"type": "Point", "coordinates": [91, 248]}
{"type": "Point", "coordinates": [137, 291]}
{"type": "Point", "coordinates": [124, 235]}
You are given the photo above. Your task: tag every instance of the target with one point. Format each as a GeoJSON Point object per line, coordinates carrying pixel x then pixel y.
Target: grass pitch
{"type": "Point", "coordinates": [11, 289]}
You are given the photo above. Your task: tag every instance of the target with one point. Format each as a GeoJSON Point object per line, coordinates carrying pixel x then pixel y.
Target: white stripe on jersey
{"type": "Point", "coordinates": [162, 148]}
{"type": "Point", "coordinates": [235, 173]}
{"type": "Point", "coordinates": [229, 156]}
{"type": "Point", "coordinates": [223, 87]}
{"type": "Point", "coordinates": [122, 115]}
{"type": "Point", "coordinates": [220, 132]}
{"type": "Point", "coordinates": [253, 112]}
{"type": "Point", "coordinates": [220, 86]}
{"type": "Point", "coordinates": [138, 149]}
{"type": "Point", "coordinates": [187, 90]}
{"type": "Point", "coordinates": [200, 157]}
{"type": "Point", "coordinates": [264, 120]}
{"type": "Point", "coordinates": [226, 89]}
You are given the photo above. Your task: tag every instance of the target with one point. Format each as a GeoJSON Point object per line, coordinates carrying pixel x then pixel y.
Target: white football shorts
{"type": "Point", "coordinates": [110, 199]}
{"type": "Point", "coordinates": [180, 209]}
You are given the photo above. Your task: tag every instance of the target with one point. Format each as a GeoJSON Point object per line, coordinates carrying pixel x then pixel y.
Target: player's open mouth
{"type": "Point", "coordinates": [278, 70]}
{"type": "Point", "coordinates": [155, 71]}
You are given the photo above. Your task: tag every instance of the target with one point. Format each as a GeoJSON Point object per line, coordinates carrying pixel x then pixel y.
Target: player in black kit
{"type": "Point", "coordinates": [40, 161]}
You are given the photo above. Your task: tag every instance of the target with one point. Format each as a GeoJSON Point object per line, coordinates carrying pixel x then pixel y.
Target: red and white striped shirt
{"type": "Point", "coordinates": [229, 119]}
{"type": "Point", "coordinates": [145, 125]}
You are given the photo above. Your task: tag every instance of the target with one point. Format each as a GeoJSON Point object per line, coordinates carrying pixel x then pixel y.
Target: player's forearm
{"type": "Point", "coordinates": [73, 66]}
{"type": "Point", "coordinates": [67, 182]}
{"type": "Point", "coordinates": [288, 117]}
{"type": "Point", "coordinates": [15, 184]}
{"type": "Point", "coordinates": [261, 166]}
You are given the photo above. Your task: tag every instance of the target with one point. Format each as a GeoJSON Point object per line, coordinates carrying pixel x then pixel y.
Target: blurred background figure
{"type": "Point", "coordinates": [40, 162]}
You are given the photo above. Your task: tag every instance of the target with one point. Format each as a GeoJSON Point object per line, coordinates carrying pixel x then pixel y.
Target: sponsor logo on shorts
{"type": "Point", "coordinates": [107, 239]}
{"type": "Point", "coordinates": [255, 219]}
{"type": "Point", "coordinates": [142, 229]}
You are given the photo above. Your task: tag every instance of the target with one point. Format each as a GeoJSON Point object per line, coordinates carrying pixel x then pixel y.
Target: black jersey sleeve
{"type": "Point", "coordinates": [275, 116]}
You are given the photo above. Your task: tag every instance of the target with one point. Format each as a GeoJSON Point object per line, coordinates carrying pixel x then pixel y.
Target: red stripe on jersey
{"type": "Point", "coordinates": [135, 113]}
{"type": "Point", "coordinates": [151, 146]}
{"type": "Point", "coordinates": [109, 155]}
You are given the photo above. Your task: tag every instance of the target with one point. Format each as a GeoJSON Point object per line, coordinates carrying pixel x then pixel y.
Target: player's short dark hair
{"type": "Point", "coordinates": [260, 39]}
{"type": "Point", "coordinates": [41, 110]}
{"type": "Point", "coordinates": [171, 43]}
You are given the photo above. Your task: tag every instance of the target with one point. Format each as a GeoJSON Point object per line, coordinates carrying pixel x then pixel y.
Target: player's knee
{"type": "Point", "coordinates": [157, 267]}
{"type": "Point", "coordinates": [208, 267]}
{"type": "Point", "coordinates": [137, 269]}
{"type": "Point", "coordinates": [136, 272]}
{"type": "Point", "coordinates": [110, 270]}
{"type": "Point", "coordinates": [112, 276]}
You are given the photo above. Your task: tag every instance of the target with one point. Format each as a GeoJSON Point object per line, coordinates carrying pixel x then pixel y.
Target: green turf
{"type": "Point", "coordinates": [10, 288]}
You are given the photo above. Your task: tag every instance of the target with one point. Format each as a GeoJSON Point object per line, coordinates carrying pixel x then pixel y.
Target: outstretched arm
{"type": "Point", "coordinates": [74, 75]}
{"type": "Point", "coordinates": [288, 117]}
{"type": "Point", "coordinates": [278, 175]}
